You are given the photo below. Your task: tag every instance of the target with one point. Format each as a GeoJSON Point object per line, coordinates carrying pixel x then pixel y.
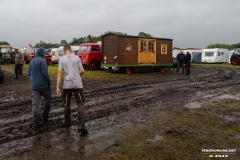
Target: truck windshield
{"type": "Point", "coordinates": [5, 50]}
{"type": "Point", "coordinates": [209, 54]}
{"type": "Point", "coordinates": [85, 48]}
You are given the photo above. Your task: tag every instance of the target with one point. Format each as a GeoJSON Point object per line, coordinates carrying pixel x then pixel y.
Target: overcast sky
{"type": "Point", "coordinates": [190, 23]}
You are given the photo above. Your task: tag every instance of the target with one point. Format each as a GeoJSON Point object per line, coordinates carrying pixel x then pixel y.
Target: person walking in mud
{"type": "Point", "coordinates": [19, 60]}
{"type": "Point", "coordinates": [180, 61]}
{"type": "Point", "coordinates": [40, 87]}
{"type": "Point", "coordinates": [73, 70]}
{"type": "Point", "coordinates": [188, 58]}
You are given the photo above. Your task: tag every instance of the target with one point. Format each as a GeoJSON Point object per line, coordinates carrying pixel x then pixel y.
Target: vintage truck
{"type": "Point", "coordinates": [1, 71]}
{"type": "Point", "coordinates": [29, 54]}
{"type": "Point", "coordinates": [90, 54]}
{"type": "Point", "coordinates": [6, 51]}
{"type": "Point", "coordinates": [235, 59]}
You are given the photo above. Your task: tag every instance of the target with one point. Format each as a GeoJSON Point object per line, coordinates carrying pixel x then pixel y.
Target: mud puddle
{"type": "Point", "coordinates": [193, 105]}
{"type": "Point", "coordinates": [113, 107]}
{"type": "Point", "coordinates": [228, 96]}
{"type": "Point", "coordinates": [156, 138]}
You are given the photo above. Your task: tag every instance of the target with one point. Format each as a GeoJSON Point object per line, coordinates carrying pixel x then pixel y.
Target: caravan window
{"type": "Point", "coordinates": [222, 53]}
{"type": "Point", "coordinates": [219, 54]}
{"type": "Point", "coordinates": [209, 54]}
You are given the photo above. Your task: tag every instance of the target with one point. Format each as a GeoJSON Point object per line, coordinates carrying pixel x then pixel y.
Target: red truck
{"type": "Point", "coordinates": [28, 56]}
{"type": "Point", "coordinates": [90, 54]}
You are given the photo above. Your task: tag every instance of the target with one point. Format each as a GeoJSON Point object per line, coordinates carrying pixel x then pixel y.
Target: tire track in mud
{"type": "Point", "coordinates": [115, 100]}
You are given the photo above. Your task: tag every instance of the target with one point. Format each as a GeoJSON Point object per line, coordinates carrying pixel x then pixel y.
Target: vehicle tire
{"type": "Point", "coordinates": [234, 61]}
{"type": "Point", "coordinates": [94, 65]}
{"type": "Point", "coordinates": [1, 76]}
{"type": "Point", "coordinates": [128, 71]}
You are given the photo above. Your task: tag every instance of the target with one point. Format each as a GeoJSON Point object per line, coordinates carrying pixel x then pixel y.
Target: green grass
{"type": "Point", "coordinates": [185, 132]}
{"type": "Point", "coordinates": [100, 74]}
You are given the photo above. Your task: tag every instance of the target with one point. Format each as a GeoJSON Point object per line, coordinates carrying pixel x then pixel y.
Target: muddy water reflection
{"type": "Point", "coordinates": [193, 105]}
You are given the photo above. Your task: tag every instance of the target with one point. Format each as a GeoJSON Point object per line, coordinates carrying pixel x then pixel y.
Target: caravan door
{"type": "Point", "coordinates": [146, 51]}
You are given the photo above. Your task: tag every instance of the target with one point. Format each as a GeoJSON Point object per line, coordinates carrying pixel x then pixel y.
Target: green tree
{"type": "Point", "coordinates": [113, 32]}
{"type": "Point", "coordinates": [63, 42]}
{"type": "Point", "coordinates": [4, 43]}
{"type": "Point", "coordinates": [143, 34]}
{"type": "Point", "coordinates": [219, 45]}
{"type": "Point", "coordinates": [75, 41]}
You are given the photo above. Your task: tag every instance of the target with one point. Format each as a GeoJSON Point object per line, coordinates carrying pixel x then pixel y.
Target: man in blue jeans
{"type": "Point", "coordinates": [41, 87]}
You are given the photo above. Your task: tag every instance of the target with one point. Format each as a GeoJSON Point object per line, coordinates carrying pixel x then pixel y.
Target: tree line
{"type": "Point", "coordinates": [85, 39]}
{"type": "Point", "coordinates": [227, 46]}
{"type": "Point", "coordinates": [4, 43]}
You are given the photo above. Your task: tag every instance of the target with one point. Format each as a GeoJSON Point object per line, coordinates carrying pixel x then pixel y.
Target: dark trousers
{"type": "Point", "coordinates": [180, 64]}
{"type": "Point", "coordinates": [37, 94]}
{"type": "Point", "coordinates": [18, 69]}
{"type": "Point", "coordinates": [67, 97]}
{"type": "Point", "coordinates": [187, 69]}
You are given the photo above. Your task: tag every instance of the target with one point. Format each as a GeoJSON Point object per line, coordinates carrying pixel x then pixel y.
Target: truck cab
{"type": "Point", "coordinates": [90, 54]}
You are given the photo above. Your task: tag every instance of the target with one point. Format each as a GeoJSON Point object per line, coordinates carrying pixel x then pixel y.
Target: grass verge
{"type": "Point", "coordinates": [185, 132]}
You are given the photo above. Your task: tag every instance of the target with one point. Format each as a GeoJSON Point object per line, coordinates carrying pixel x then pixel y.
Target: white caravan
{"type": "Point", "coordinates": [75, 49]}
{"type": "Point", "coordinates": [54, 55]}
{"type": "Point", "coordinates": [216, 55]}
{"type": "Point", "coordinates": [196, 55]}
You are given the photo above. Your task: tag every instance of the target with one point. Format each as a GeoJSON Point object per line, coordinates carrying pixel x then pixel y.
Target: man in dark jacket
{"type": "Point", "coordinates": [19, 60]}
{"type": "Point", "coordinates": [188, 58]}
{"type": "Point", "coordinates": [180, 61]}
{"type": "Point", "coordinates": [40, 86]}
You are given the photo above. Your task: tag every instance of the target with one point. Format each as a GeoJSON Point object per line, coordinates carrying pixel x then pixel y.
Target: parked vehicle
{"type": "Point", "coordinates": [235, 58]}
{"type": "Point", "coordinates": [29, 54]}
{"type": "Point", "coordinates": [54, 55]}
{"type": "Point", "coordinates": [216, 55]}
{"type": "Point", "coordinates": [196, 55]}
{"type": "Point", "coordinates": [136, 54]}
{"type": "Point", "coordinates": [1, 71]}
{"type": "Point", "coordinates": [90, 54]}
{"type": "Point", "coordinates": [6, 51]}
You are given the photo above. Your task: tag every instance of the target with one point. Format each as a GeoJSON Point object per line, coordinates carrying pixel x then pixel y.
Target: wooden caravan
{"type": "Point", "coordinates": [136, 53]}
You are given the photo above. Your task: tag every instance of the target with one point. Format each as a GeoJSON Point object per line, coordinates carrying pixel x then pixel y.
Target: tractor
{"type": "Point", "coordinates": [1, 71]}
{"type": "Point", "coordinates": [235, 59]}
{"type": "Point", "coordinates": [6, 53]}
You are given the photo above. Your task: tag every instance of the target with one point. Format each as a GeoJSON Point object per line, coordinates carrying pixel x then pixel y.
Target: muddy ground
{"type": "Point", "coordinates": [115, 104]}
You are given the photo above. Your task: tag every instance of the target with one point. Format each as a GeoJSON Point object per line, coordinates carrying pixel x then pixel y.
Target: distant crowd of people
{"type": "Point", "coordinates": [183, 61]}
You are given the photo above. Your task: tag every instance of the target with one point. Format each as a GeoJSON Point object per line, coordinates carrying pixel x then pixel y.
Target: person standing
{"type": "Point", "coordinates": [19, 60]}
{"type": "Point", "coordinates": [40, 87]}
{"type": "Point", "coordinates": [180, 61]}
{"type": "Point", "coordinates": [73, 69]}
{"type": "Point", "coordinates": [188, 58]}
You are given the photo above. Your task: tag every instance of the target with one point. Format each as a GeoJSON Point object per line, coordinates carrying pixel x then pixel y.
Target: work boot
{"type": "Point", "coordinates": [83, 131]}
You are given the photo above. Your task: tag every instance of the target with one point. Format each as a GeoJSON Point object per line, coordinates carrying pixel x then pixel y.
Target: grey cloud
{"type": "Point", "coordinates": [190, 23]}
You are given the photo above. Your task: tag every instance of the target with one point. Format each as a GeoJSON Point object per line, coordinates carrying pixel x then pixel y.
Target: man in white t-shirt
{"type": "Point", "coordinates": [73, 69]}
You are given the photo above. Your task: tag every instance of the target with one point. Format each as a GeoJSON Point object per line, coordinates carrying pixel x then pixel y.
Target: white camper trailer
{"type": "Point", "coordinates": [216, 55]}
{"type": "Point", "coordinates": [196, 55]}
{"type": "Point", "coordinates": [75, 49]}
{"type": "Point", "coordinates": [54, 55]}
